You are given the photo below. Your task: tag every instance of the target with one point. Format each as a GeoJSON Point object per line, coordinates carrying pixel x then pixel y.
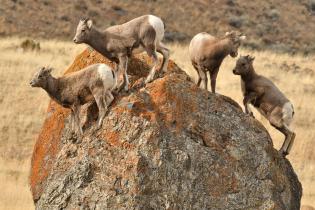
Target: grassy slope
{"type": "Point", "coordinates": [22, 113]}
{"type": "Point", "coordinates": [22, 109]}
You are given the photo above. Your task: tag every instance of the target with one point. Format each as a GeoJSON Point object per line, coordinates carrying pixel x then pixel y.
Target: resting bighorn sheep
{"type": "Point", "coordinates": [207, 53]}
{"type": "Point", "coordinates": [118, 42]}
{"type": "Point", "coordinates": [267, 98]}
{"type": "Point", "coordinates": [94, 82]}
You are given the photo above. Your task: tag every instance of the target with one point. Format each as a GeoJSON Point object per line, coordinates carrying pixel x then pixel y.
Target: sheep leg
{"type": "Point", "coordinates": [196, 68]}
{"type": "Point", "coordinates": [151, 52]}
{"type": "Point", "coordinates": [102, 106]}
{"type": "Point", "coordinates": [249, 98]}
{"type": "Point", "coordinates": [204, 78]}
{"type": "Point", "coordinates": [72, 119]}
{"type": "Point", "coordinates": [126, 80]}
{"type": "Point", "coordinates": [161, 48]}
{"type": "Point", "coordinates": [199, 80]}
{"type": "Point", "coordinates": [213, 78]}
{"type": "Point", "coordinates": [109, 98]}
{"type": "Point", "coordinates": [289, 140]}
{"type": "Point", "coordinates": [276, 121]}
{"type": "Point", "coordinates": [76, 111]}
{"type": "Point", "coordinates": [122, 72]}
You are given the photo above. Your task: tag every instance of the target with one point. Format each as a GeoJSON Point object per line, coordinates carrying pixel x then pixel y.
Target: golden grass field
{"type": "Point", "coordinates": [22, 108]}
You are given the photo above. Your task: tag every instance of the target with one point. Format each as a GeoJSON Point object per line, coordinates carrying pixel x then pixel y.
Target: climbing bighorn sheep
{"type": "Point", "coordinates": [118, 42]}
{"type": "Point", "coordinates": [93, 83]}
{"type": "Point", "coordinates": [267, 98]}
{"type": "Point", "coordinates": [207, 53]}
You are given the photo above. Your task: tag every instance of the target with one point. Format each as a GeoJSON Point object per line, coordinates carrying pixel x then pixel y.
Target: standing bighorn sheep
{"type": "Point", "coordinates": [207, 53]}
{"type": "Point", "coordinates": [117, 43]}
{"type": "Point", "coordinates": [267, 98]}
{"type": "Point", "coordinates": [93, 83]}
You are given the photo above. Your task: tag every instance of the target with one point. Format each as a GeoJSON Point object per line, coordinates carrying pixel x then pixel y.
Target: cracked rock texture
{"type": "Point", "coordinates": [165, 145]}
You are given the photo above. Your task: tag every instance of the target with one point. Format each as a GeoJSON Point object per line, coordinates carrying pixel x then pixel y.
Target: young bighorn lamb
{"type": "Point", "coordinates": [267, 98]}
{"type": "Point", "coordinates": [94, 82]}
{"type": "Point", "coordinates": [117, 43]}
{"type": "Point", "coordinates": [207, 53]}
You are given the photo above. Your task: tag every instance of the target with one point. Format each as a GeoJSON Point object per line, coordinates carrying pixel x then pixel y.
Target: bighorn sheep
{"type": "Point", "coordinates": [117, 43]}
{"type": "Point", "coordinates": [267, 98]}
{"type": "Point", "coordinates": [207, 53]}
{"type": "Point", "coordinates": [94, 82]}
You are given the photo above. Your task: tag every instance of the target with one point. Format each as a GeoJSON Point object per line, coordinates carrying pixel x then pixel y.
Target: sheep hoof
{"type": "Point", "coordinates": [283, 153]}
{"type": "Point", "coordinates": [148, 80]}
{"type": "Point", "coordinates": [115, 92]}
{"type": "Point", "coordinates": [99, 125]}
{"type": "Point", "coordinates": [251, 115]}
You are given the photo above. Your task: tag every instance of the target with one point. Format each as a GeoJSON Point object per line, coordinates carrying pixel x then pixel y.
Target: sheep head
{"type": "Point", "coordinates": [235, 41]}
{"type": "Point", "coordinates": [243, 65]}
{"type": "Point", "coordinates": [83, 31]}
{"type": "Point", "coordinates": [40, 78]}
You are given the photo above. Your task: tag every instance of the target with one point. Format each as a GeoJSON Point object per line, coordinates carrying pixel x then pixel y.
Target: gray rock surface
{"type": "Point", "coordinates": [170, 145]}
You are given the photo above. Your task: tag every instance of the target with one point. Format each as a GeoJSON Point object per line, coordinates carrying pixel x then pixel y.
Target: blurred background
{"type": "Point", "coordinates": [34, 33]}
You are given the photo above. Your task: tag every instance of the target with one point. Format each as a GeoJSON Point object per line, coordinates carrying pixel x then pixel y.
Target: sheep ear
{"type": "Point", "coordinates": [49, 69]}
{"type": "Point", "coordinates": [251, 58]}
{"type": "Point", "coordinates": [89, 23]}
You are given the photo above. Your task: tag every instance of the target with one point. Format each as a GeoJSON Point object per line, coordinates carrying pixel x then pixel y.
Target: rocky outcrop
{"type": "Point", "coordinates": [165, 145]}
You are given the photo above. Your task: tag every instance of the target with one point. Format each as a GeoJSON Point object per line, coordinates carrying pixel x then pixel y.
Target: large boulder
{"type": "Point", "coordinates": [165, 145]}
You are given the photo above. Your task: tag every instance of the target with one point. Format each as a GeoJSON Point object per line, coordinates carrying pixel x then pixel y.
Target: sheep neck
{"type": "Point", "coordinates": [52, 88]}
{"type": "Point", "coordinates": [250, 75]}
{"type": "Point", "coordinates": [98, 40]}
{"type": "Point", "coordinates": [226, 46]}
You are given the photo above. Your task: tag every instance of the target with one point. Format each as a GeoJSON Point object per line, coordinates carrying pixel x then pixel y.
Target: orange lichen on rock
{"type": "Point", "coordinates": [47, 146]}
{"type": "Point", "coordinates": [169, 90]}
{"type": "Point", "coordinates": [48, 143]}
{"type": "Point", "coordinates": [112, 138]}
{"type": "Point", "coordinates": [163, 143]}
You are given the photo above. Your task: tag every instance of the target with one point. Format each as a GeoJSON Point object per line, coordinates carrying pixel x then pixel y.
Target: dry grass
{"type": "Point", "coordinates": [23, 108]}
{"type": "Point", "coordinates": [15, 194]}
{"type": "Point", "coordinates": [22, 112]}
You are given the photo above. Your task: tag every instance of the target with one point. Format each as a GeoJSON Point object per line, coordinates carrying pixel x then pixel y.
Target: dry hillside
{"type": "Point", "coordinates": [283, 25]}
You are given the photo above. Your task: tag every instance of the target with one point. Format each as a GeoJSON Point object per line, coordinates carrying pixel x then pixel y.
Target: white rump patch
{"type": "Point", "coordinates": [196, 44]}
{"type": "Point", "coordinates": [201, 36]}
{"type": "Point", "coordinates": [106, 75]}
{"type": "Point", "coordinates": [158, 26]}
{"type": "Point", "coordinates": [287, 113]}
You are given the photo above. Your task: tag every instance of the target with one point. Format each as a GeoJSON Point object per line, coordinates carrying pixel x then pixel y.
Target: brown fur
{"type": "Point", "coordinates": [207, 55]}
{"type": "Point", "coordinates": [267, 98]}
{"type": "Point", "coordinates": [76, 89]}
{"type": "Point", "coordinates": [119, 42]}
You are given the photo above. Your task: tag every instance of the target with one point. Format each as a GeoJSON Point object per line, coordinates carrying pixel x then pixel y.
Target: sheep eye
{"type": "Point", "coordinates": [83, 30]}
